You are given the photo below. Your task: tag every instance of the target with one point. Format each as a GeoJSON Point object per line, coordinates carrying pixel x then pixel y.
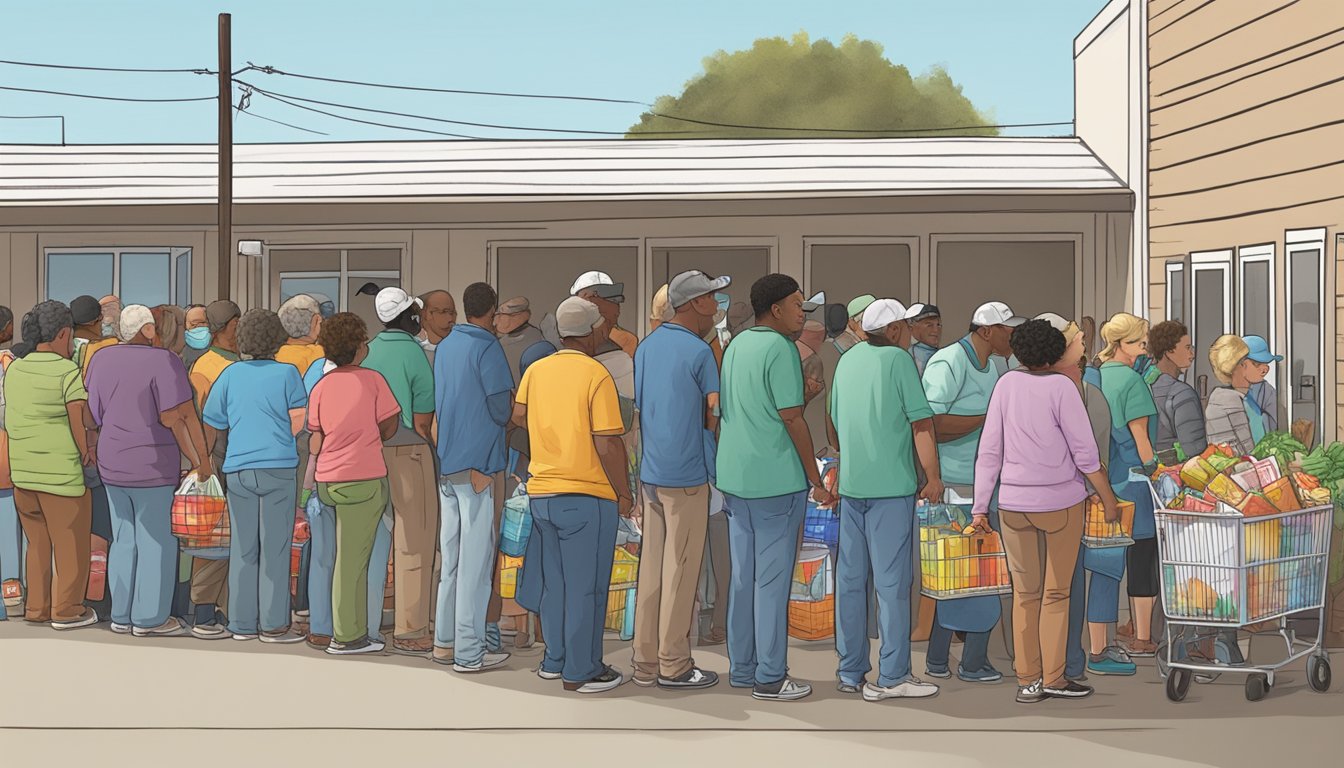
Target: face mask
{"type": "Point", "coordinates": [108, 329]}
{"type": "Point", "coordinates": [198, 338]}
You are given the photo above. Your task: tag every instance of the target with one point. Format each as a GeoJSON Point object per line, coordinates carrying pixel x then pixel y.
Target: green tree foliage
{"type": "Point", "coordinates": [801, 84]}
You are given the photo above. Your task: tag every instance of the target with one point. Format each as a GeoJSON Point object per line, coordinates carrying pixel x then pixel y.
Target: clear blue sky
{"type": "Point", "coordinates": [1013, 57]}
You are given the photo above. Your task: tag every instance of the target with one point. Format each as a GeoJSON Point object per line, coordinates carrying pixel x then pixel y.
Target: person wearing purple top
{"type": "Point", "coordinates": [1037, 446]}
{"type": "Point", "coordinates": [141, 400]}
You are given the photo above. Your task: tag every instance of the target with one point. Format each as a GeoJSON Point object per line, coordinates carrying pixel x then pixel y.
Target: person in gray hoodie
{"type": "Point", "coordinates": [1180, 419]}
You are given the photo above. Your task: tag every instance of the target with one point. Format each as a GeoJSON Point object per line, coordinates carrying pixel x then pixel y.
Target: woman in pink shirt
{"type": "Point", "coordinates": [1037, 446]}
{"type": "Point", "coordinates": [351, 412]}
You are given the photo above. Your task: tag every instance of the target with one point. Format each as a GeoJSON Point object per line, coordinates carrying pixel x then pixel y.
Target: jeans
{"type": "Point", "coordinates": [469, 550]}
{"type": "Point", "coordinates": [261, 524]}
{"type": "Point", "coordinates": [577, 538]}
{"type": "Point", "coordinates": [763, 539]}
{"type": "Point", "coordinates": [876, 537]}
{"type": "Point", "coordinates": [322, 570]}
{"type": "Point", "coordinates": [11, 538]}
{"type": "Point", "coordinates": [360, 510]}
{"type": "Point", "coordinates": [974, 652]}
{"type": "Point", "coordinates": [142, 560]}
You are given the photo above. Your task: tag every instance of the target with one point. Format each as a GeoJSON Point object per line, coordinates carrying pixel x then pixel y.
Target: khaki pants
{"type": "Point", "coordinates": [58, 530]}
{"type": "Point", "coordinates": [671, 555]}
{"type": "Point", "coordinates": [415, 536]}
{"type": "Point", "coordinates": [210, 582]}
{"type": "Point", "coordinates": [1042, 550]}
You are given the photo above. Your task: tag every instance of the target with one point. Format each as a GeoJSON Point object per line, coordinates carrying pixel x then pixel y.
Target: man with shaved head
{"type": "Point", "coordinates": [437, 320]}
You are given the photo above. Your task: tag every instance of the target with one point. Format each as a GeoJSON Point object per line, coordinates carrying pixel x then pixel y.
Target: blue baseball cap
{"type": "Point", "coordinates": [1259, 351]}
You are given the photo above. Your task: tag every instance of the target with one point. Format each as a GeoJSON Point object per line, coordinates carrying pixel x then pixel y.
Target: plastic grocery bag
{"type": "Point", "coordinates": [516, 527]}
{"type": "Point", "coordinates": [200, 514]}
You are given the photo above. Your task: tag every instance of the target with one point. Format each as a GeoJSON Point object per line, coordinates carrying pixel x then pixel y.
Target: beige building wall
{"type": "Point", "coordinates": [1246, 121]}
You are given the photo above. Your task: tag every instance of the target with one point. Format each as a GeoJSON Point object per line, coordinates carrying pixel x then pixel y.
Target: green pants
{"type": "Point", "coordinates": [359, 509]}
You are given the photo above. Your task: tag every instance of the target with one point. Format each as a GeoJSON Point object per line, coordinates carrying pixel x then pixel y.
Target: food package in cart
{"type": "Point", "coordinates": [1280, 494]}
{"type": "Point", "coordinates": [1197, 473]}
{"type": "Point", "coordinates": [1224, 489]}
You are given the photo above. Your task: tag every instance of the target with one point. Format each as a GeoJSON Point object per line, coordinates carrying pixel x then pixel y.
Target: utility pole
{"type": "Point", "coordinates": [225, 151]}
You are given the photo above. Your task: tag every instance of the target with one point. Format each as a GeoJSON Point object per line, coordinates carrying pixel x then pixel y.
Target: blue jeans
{"type": "Point", "coordinates": [142, 560]}
{"type": "Point", "coordinates": [876, 537]}
{"type": "Point", "coordinates": [974, 651]}
{"type": "Point", "coordinates": [763, 545]}
{"type": "Point", "coordinates": [577, 538]}
{"type": "Point", "coordinates": [261, 527]}
{"type": "Point", "coordinates": [11, 543]}
{"type": "Point", "coordinates": [469, 550]}
{"type": "Point", "coordinates": [322, 565]}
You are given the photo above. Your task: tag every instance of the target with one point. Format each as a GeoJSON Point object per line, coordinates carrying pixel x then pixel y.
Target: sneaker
{"type": "Point", "coordinates": [211, 631]}
{"type": "Point", "coordinates": [986, 675]}
{"type": "Point", "coordinates": [12, 592]}
{"type": "Point", "coordinates": [442, 656]}
{"type": "Point", "coordinates": [942, 673]}
{"type": "Point", "coordinates": [715, 636]}
{"type": "Point", "coordinates": [283, 637]}
{"type": "Point", "coordinates": [643, 682]}
{"type": "Point", "coordinates": [1139, 649]}
{"type": "Point", "coordinates": [844, 687]}
{"type": "Point", "coordinates": [544, 675]}
{"type": "Point", "coordinates": [910, 688]}
{"type": "Point", "coordinates": [358, 647]}
{"type": "Point", "coordinates": [243, 637]}
{"type": "Point", "coordinates": [121, 629]}
{"type": "Point", "coordinates": [784, 690]}
{"type": "Point", "coordinates": [412, 647]}
{"type": "Point", "coordinates": [1030, 694]}
{"type": "Point", "coordinates": [694, 678]}
{"type": "Point", "coordinates": [1112, 661]}
{"type": "Point", "coordinates": [89, 618]}
{"type": "Point", "coordinates": [1081, 677]}
{"type": "Point", "coordinates": [1069, 690]}
{"type": "Point", "coordinates": [173, 627]}
{"type": "Point", "coordinates": [319, 642]}
{"type": "Point", "coordinates": [1124, 631]}
{"type": "Point", "coordinates": [609, 680]}
{"type": "Point", "coordinates": [488, 661]}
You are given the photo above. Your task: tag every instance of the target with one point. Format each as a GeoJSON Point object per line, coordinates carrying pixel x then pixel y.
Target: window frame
{"type": "Point", "coordinates": [1260, 253]}
{"type": "Point", "coordinates": [173, 254]}
{"type": "Point", "coordinates": [1300, 241]}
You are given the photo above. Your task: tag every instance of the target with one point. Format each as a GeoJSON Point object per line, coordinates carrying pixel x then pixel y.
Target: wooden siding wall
{"type": "Point", "coordinates": [1247, 121]}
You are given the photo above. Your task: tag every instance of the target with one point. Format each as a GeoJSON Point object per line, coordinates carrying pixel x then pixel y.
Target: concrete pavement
{"type": "Point", "coordinates": [93, 693]}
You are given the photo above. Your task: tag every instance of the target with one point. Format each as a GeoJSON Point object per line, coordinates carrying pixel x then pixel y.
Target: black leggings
{"type": "Point", "coordinates": [1142, 567]}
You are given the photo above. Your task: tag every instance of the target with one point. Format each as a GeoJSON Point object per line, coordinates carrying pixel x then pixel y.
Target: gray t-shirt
{"type": "Point", "coordinates": [516, 343]}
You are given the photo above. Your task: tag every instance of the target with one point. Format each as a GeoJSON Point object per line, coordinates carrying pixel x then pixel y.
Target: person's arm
{"type": "Point", "coordinates": [387, 428]}
{"type": "Point", "coordinates": [422, 398]}
{"type": "Point", "coordinates": [1188, 417]}
{"type": "Point", "coordinates": [988, 462]}
{"type": "Point", "coordinates": [185, 425]}
{"type": "Point", "coordinates": [83, 430]}
{"type": "Point", "coordinates": [926, 446]}
{"type": "Point", "coordinates": [520, 415]}
{"type": "Point", "coordinates": [611, 452]}
{"type": "Point", "coordinates": [832, 435]}
{"type": "Point", "coordinates": [296, 418]}
{"type": "Point", "coordinates": [315, 440]}
{"type": "Point", "coordinates": [802, 444]}
{"type": "Point", "coordinates": [942, 385]}
{"type": "Point", "coordinates": [1139, 429]}
{"type": "Point", "coordinates": [604, 416]}
{"type": "Point", "coordinates": [211, 437]}
{"type": "Point", "coordinates": [1102, 485]}
{"type": "Point", "coordinates": [951, 427]}
{"type": "Point", "coordinates": [423, 424]}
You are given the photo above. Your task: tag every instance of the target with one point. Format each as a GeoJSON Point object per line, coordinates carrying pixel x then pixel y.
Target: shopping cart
{"type": "Point", "coordinates": [1221, 571]}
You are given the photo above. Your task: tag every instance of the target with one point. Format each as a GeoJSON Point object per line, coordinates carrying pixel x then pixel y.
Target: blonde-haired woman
{"type": "Point", "coordinates": [1133, 434]}
{"type": "Point", "coordinates": [1232, 417]}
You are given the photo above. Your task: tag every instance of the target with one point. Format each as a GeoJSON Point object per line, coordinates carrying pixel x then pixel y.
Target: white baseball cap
{"type": "Point", "coordinates": [693, 284]}
{"type": "Point", "coordinates": [576, 317]}
{"type": "Point", "coordinates": [391, 302]}
{"type": "Point", "coordinates": [996, 313]}
{"type": "Point", "coordinates": [882, 313]}
{"type": "Point", "coordinates": [601, 281]}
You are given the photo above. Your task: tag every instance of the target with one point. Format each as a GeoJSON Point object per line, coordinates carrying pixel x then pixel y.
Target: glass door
{"type": "Point", "coordinates": [1210, 312]}
{"type": "Point", "coordinates": [1305, 319]}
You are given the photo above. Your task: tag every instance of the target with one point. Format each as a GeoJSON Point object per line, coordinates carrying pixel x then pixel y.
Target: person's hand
{"type": "Point", "coordinates": [90, 456]}
{"type": "Point", "coordinates": [1150, 468]}
{"type": "Point", "coordinates": [1111, 509]}
{"type": "Point", "coordinates": [811, 388]}
{"type": "Point", "coordinates": [204, 471]}
{"type": "Point", "coordinates": [932, 491]}
{"type": "Point", "coordinates": [624, 506]}
{"type": "Point", "coordinates": [980, 524]}
{"type": "Point", "coordinates": [823, 496]}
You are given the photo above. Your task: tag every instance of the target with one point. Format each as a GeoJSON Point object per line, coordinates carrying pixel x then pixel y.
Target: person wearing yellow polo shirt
{"type": "Point", "coordinates": [567, 402]}
{"type": "Point", "coordinates": [302, 318]}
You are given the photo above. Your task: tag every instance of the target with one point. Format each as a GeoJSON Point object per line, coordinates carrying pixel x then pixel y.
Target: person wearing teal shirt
{"type": "Point", "coordinates": [926, 334]}
{"type": "Point", "coordinates": [1133, 435]}
{"type": "Point", "coordinates": [765, 464]}
{"type": "Point", "coordinates": [958, 382]}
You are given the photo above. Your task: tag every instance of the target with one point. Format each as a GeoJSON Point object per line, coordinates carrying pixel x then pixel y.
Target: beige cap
{"type": "Point", "coordinates": [576, 317]}
{"type": "Point", "coordinates": [515, 306]}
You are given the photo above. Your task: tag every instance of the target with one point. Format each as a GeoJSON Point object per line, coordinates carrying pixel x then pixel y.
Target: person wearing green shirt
{"type": "Point", "coordinates": [765, 465]}
{"type": "Point", "coordinates": [958, 382]}
{"type": "Point", "coordinates": [51, 440]}
{"type": "Point", "coordinates": [396, 354]}
{"type": "Point", "coordinates": [879, 417]}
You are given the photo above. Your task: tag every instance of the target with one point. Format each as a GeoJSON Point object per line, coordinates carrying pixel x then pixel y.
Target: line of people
{"type": "Point", "coordinates": [402, 445]}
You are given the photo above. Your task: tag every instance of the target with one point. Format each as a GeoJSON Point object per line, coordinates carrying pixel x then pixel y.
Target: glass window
{"type": "Point", "coordinates": [183, 296]}
{"type": "Point", "coordinates": [373, 260]}
{"type": "Point", "coordinates": [1255, 299]}
{"type": "Point", "coordinates": [544, 274]}
{"type": "Point", "coordinates": [1305, 334]}
{"type": "Point", "coordinates": [326, 290]}
{"type": "Point", "coordinates": [362, 303]}
{"type": "Point", "coordinates": [849, 270]}
{"type": "Point", "coordinates": [1176, 292]}
{"type": "Point", "coordinates": [145, 279]}
{"type": "Point", "coordinates": [79, 274]}
{"type": "Point", "coordinates": [1210, 322]}
{"type": "Point", "coordinates": [1030, 277]}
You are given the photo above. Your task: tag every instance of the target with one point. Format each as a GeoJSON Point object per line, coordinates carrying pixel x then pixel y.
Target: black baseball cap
{"type": "Point", "coordinates": [85, 310]}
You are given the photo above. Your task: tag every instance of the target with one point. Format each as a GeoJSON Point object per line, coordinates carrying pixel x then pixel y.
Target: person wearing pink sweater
{"type": "Point", "coordinates": [1037, 447]}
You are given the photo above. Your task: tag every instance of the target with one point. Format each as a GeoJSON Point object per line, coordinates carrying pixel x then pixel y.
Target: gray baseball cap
{"type": "Point", "coordinates": [576, 317]}
{"type": "Point", "coordinates": [693, 284]}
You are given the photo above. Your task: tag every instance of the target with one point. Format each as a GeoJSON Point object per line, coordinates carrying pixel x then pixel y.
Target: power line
{"type": "Point", "coordinates": [102, 98]}
{"type": "Point", "coordinates": [279, 122]}
{"type": "Point", "coordinates": [364, 122]}
{"type": "Point", "coordinates": [105, 69]}
{"type": "Point", "coordinates": [445, 120]}
{"type": "Point", "coordinates": [40, 117]}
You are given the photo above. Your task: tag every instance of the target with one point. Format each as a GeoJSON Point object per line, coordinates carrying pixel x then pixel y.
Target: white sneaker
{"type": "Point", "coordinates": [121, 629]}
{"type": "Point", "coordinates": [544, 675]}
{"type": "Point", "coordinates": [89, 618]}
{"type": "Point", "coordinates": [789, 690]}
{"type": "Point", "coordinates": [173, 627]}
{"type": "Point", "coordinates": [487, 661]}
{"type": "Point", "coordinates": [356, 648]}
{"type": "Point", "coordinates": [911, 688]}
{"type": "Point", "coordinates": [243, 637]}
{"type": "Point", "coordinates": [282, 638]}
{"type": "Point", "coordinates": [209, 632]}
